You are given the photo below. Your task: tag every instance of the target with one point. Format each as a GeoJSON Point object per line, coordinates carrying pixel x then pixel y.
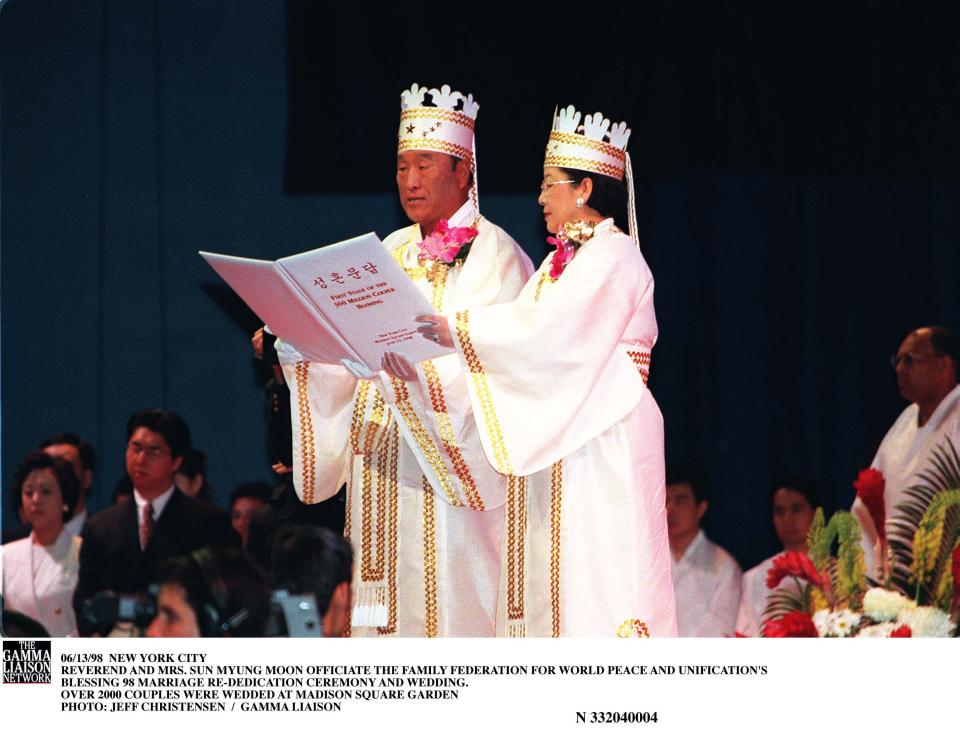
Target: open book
{"type": "Point", "coordinates": [345, 303]}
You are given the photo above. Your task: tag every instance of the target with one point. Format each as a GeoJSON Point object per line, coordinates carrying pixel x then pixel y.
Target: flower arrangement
{"type": "Point", "coordinates": [569, 238]}
{"type": "Point", "coordinates": [447, 245]}
{"type": "Point", "coordinates": [918, 591]}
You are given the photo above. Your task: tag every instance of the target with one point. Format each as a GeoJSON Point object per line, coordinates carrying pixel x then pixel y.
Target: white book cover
{"type": "Point", "coordinates": [346, 303]}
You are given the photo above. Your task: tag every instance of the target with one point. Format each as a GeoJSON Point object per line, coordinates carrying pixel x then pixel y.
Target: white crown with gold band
{"type": "Point", "coordinates": [446, 127]}
{"type": "Point", "coordinates": [596, 146]}
{"type": "Point", "coordinates": [593, 146]}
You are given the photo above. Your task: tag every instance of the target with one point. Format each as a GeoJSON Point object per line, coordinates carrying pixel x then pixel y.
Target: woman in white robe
{"type": "Point", "coordinates": [557, 380]}
{"type": "Point", "coordinates": [40, 571]}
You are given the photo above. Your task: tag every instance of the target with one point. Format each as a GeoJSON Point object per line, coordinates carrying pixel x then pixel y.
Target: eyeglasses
{"type": "Point", "coordinates": [546, 185]}
{"type": "Point", "coordinates": [908, 359]}
{"type": "Point", "coordinates": [153, 452]}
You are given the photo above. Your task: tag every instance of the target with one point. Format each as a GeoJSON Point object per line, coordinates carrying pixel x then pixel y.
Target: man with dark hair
{"type": "Point", "coordinates": [124, 544]}
{"type": "Point", "coordinates": [191, 477]}
{"type": "Point", "coordinates": [81, 455]}
{"type": "Point", "coordinates": [706, 579]}
{"type": "Point", "coordinates": [926, 365]}
{"type": "Point", "coordinates": [794, 499]}
{"type": "Point", "coordinates": [248, 501]}
{"type": "Point", "coordinates": [212, 592]}
{"type": "Point", "coordinates": [316, 561]}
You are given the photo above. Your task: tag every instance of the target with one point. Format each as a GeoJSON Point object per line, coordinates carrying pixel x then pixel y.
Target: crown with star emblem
{"type": "Point", "coordinates": [595, 146]}
{"type": "Point", "coordinates": [445, 127]}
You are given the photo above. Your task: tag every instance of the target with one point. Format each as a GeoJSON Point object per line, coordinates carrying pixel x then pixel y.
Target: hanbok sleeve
{"type": "Point", "coordinates": [321, 410]}
{"type": "Point", "coordinates": [553, 369]}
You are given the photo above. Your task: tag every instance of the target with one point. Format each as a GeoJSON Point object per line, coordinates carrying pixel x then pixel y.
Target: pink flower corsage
{"type": "Point", "coordinates": [569, 238]}
{"type": "Point", "coordinates": [447, 245]}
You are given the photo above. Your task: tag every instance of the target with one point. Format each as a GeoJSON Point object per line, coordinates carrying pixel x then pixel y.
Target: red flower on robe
{"type": "Point", "coordinates": [870, 485]}
{"type": "Point", "coordinates": [445, 244]}
{"type": "Point", "coordinates": [793, 624]}
{"type": "Point", "coordinates": [793, 564]}
{"type": "Point", "coordinates": [901, 632]}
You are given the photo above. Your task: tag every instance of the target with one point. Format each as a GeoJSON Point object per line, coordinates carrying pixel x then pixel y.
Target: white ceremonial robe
{"type": "Point", "coordinates": [557, 379]}
{"type": "Point", "coordinates": [706, 582]}
{"type": "Point", "coordinates": [425, 528]}
{"type": "Point", "coordinates": [38, 581]}
{"type": "Point", "coordinates": [903, 454]}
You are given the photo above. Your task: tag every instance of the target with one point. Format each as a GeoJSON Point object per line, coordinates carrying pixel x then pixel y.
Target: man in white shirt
{"type": "Point", "coordinates": [926, 365]}
{"type": "Point", "coordinates": [706, 579]}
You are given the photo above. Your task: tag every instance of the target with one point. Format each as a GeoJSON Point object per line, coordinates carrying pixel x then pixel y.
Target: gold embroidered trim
{"type": "Point", "coordinates": [483, 393]}
{"type": "Point", "coordinates": [430, 112]}
{"type": "Point", "coordinates": [347, 521]}
{"type": "Point", "coordinates": [642, 361]}
{"type": "Point", "coordinates": [393, 510]}
{"type": "Point", "coordinates": [430, 628]}
{"type": "Point", "coordinates": [376, 421]}
{"type": "Point", "coordinates": [516, 541]}
{"type": "Point", "coordinates": [359, 408]}
{"type": "Point", "coordinates": [308, 459]}
{"type": "Point", "coordinates": [544, 278]}
{"type": "Point", "coordinates": [583, 164]}
{"type": "Point", "coordinates": [633, 627]}
{"type": "Point", "coordinates": [371, 519]}
{"type": "Point", "coordinates": [439, 282]}
{"type": "Point", "coordinates": [572, 138]}
{"type": "Point", "coordinates": [448, 438]}
{"type": "Point", "coordinates": [556, 497]}
{"type": "Point", "coordinates": [429, 143]}
{"type": "Point", "coordinates": [424, 442]}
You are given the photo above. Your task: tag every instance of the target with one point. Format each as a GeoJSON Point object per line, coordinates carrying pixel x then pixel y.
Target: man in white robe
{"type": "Point", "coordinates": [926, 366]}
{"type": "Point", "coordinates": [426, 528]}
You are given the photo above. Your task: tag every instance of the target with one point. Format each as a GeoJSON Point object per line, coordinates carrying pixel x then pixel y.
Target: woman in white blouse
{"type": "Point", "coordinates": [40, 571]}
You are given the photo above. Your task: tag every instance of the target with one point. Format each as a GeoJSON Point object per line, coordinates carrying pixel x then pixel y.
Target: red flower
{"type": "Point", "coordinates": [870, 485]}
{"type": "Point", "coordinates": [794, 624]}
{"type": "Point", "coordinates": [793, 564]}
{"type": "Point", "coordinates": [901, 632]}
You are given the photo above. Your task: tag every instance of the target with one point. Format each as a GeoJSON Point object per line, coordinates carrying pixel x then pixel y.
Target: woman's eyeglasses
{"type": "Point", "coordinates": [546, 185]}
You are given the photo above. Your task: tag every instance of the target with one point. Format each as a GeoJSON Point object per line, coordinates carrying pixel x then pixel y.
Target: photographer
{"type": "Point", "coordinates": [211, 592]}
{"type": "Point", "coordinates": [308, 560]}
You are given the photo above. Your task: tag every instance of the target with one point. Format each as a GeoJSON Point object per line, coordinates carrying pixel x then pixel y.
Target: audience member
{"type": "Point", "coordinates": [312, 560]}
{"type": "Point", "coordinates": [122, 491]}
{"type": "Point", "coordinates": [124, 544]}
{"type": "Point", "coordinates": [247, 501]}
{"type": "Point", "coordinates": [926, 365]}
{"type": "Point", "coordinates": [794, 501]}
{"type": "Point", "coordinates": [191, 477]}
{"type": "Point", "coordinates": [40, 571]}
{"type": "Point", "coordinates": [706, 579]}
{"type": "Point", "coordinates": [82, 457]}
{"type": "Point", "coordinates": [210, 592]}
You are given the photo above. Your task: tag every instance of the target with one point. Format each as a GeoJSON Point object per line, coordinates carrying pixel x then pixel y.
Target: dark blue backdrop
{"type": "Point", "coordinates": [136, 133]}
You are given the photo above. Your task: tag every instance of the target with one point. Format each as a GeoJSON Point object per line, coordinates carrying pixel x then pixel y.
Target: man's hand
{"type": "Point", "coordinates": [437, 330]}
{"type": "Point", "coordinates": [398, 366]}
{"type": "Point", "coordinates": [257, 342]}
